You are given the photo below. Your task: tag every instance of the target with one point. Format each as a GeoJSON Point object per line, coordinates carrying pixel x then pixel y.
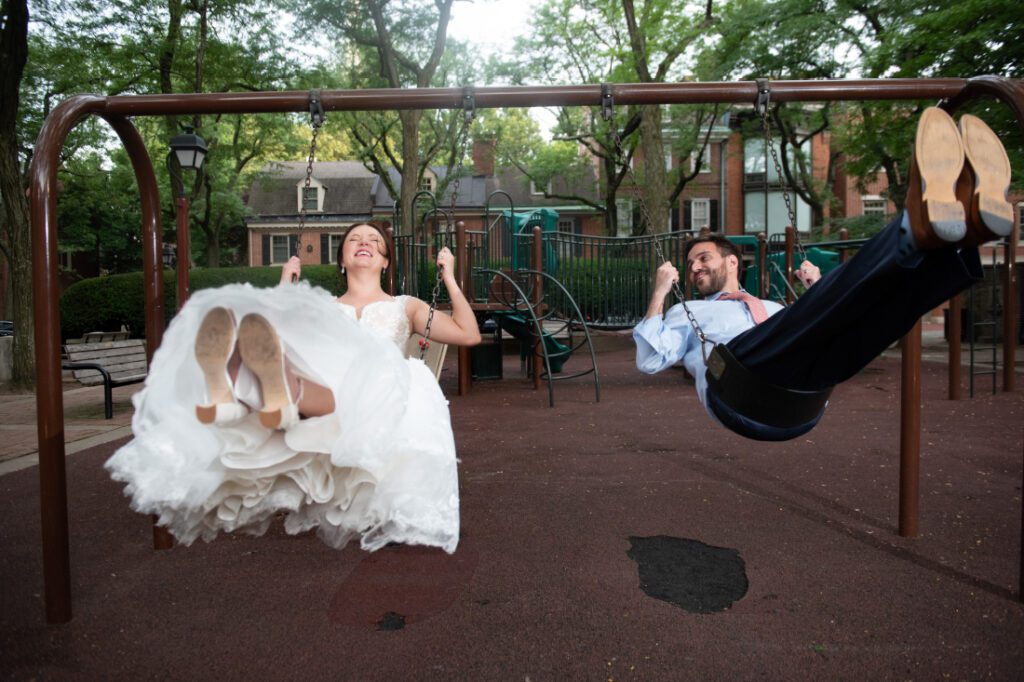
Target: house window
{"type": "Point", "coordinates": [310, 198]}
{"type": "Point", "coordinates": [279, 251]}
{"type": "Point", "coordinates": [539, 192]}
{"type": "Point", "coordinates": [427, 183]}
{"type": "Point", "coordinates": [334, 243]}
{"type": "Point", "coordinates": [701, 159]}
{"type": "Point", "coordinates": [624, 215]}
{"type": "Point", "coordinates": [874, 205]}
{"type": "Point", "coordinates": [668, 161]}
{"type": "Point", "coordinates": [567, 226]}
{"type": "Point", "coordinates": [700, 213]}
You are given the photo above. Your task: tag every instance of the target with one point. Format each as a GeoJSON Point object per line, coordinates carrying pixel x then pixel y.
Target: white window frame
{"type": "Point", "coordinates": [333, 242]}
{"type": "Point", "coordinates": [314, 185]}
{"type": "Point", "coordinates": [535, 192]}
{"type": "Point", "coordinates": [668, 161]}
{"type": "Point", "coordinates": [705, 160]}
{"type": "Point", "coordinates": [624, 214]}
{"type": "Point", "coordinates": [566, 226]}
{"type": "Point", "coordinates": [287, 251]}
{"type": "Point", "coordinates": [872, 204]}
{"type": "Point", "coordinates": [705, 204]}
{"type": "Point", "coordinates": [428, 182]}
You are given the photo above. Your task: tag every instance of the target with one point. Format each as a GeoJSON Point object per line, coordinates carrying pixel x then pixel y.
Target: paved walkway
{"type": "Point", "coordinates": [84, 424]}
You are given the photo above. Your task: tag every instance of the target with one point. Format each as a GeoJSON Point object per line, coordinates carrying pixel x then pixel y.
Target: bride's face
{"type": "Point", "coordinates": [364, 247]}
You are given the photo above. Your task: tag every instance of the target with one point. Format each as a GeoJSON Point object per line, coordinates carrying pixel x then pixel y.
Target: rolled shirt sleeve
{"type": "Point", "coordinates": [659, 345]}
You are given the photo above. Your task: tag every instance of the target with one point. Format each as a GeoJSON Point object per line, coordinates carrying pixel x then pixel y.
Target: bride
{"type": "Point", "coordinates": [288, 401]}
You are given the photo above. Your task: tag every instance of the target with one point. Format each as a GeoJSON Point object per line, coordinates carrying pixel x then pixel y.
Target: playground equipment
{"type": "Point", "coordinates": [116, 111]}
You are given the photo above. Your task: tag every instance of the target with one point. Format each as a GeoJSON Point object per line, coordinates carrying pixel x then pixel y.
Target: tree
{"type": "Point", "coordinates": [838, 38]}
{"type": "Point", "coordinates": [388, 37]}
{"type": "Point", "coordinates": [608, 41]}
{"type": "Point", "coordinates": [15, 241]}
{"type": "Point", "coordinates": [130, 46]}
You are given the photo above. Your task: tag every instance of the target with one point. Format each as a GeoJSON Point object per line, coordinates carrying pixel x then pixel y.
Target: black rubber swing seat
{"type": "Point", "coordinates": [747, 394]}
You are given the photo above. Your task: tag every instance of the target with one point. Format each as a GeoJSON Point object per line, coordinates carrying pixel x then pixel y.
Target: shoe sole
{"type": "Point", "coordinates": [939, 153]}
{"type": "Point", "coordinates": [991, 167]}
{"type": "Point", "coordinates": [261, 352]}
{"type": "Point", "coordinates": [215, 341]}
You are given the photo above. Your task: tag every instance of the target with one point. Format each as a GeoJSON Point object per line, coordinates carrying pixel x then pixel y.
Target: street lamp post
{"type": "Point", "coordinates": [188, 151]}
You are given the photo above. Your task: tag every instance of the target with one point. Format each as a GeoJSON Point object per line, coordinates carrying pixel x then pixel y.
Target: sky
{"type": "Point", "coordinates": [490, 24]}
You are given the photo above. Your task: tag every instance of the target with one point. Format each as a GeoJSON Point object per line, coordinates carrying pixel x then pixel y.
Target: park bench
{"type": "Point", "coordinates": [108, 358]}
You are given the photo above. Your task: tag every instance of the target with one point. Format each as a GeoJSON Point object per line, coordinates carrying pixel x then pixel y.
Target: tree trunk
{"type": "Point", "coordinates": [653, 189]}
{"type": "Point", "coordinates": [410, 167]}
{"type": "Point", "coordinates": [16, 229]}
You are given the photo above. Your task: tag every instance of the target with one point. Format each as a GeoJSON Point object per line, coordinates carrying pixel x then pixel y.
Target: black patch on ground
{"type": "Point", "coordinates": [391, 621]}
{"type": "Point", "coordinates": [689, 574]}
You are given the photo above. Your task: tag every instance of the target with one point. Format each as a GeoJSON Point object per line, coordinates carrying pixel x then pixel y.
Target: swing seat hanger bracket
{"type": "Point", "coordinates": [764, 96]}
{"type": "Point", "coordinates": [317, 115]}
{"type": "Point", "coordinates": [607, 102]}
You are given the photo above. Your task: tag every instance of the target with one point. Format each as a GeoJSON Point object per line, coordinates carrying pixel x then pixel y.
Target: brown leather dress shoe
{"type": "Point", "coordinates": [983, 185]}
{"type": "Point", "coordinates": [937, 218]}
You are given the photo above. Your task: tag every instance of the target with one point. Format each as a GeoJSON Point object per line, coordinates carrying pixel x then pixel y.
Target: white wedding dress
{"type": "Point", "coordinates": [381, 467]}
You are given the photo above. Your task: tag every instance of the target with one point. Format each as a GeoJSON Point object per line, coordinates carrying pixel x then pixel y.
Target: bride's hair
{"type": "Point", "coordinates": [386, 246]}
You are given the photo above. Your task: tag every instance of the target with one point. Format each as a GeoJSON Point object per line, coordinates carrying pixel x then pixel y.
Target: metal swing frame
{"type": "Point", "coordinates": [117, 112]}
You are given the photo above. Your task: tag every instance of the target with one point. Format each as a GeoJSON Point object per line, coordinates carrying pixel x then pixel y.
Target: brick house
{"type": "Point", "coordinates": [342, 193]}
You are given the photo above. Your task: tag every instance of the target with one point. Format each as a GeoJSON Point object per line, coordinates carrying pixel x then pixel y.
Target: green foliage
{"type": "Point", "coordinates": [606, 288]}
{"type": "Point", "coordinates": [107, 303]}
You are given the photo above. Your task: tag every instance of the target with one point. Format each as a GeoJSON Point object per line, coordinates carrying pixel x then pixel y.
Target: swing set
{"type": "Point", "coordinates": [117, 110]}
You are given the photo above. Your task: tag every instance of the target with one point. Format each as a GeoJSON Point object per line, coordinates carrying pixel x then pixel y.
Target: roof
{"type": "Point", "coordinates": [347, 187]}
{"type": "Point", "coordinates": [352, 190]}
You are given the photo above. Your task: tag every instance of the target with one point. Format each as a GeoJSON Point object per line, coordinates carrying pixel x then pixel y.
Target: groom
{"type": "Point", "coordinates": [781, 363]}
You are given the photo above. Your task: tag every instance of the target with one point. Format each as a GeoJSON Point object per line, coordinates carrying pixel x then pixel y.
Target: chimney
{"type": "Point", "coordinates": [483, 156]}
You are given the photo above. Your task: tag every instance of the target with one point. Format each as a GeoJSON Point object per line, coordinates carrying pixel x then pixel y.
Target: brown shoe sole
{"type": "Point", "coordinates": [938, 160]}
{"type": "Point", "coordinates": [215, 341]}
{"type": "Point", "coordinates": [261, 352]}
{"type": "Point", "coordinates": [990, 167]}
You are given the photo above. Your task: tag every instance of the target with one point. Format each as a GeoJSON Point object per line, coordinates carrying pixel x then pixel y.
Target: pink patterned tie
{"type": "Point", "coordinates": [754, 304]}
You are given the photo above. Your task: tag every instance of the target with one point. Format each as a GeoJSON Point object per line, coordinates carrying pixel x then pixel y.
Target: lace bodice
{"type": "Point", "coordinates": [386, 318]}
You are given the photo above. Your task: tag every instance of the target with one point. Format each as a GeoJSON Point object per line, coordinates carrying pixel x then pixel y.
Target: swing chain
{"type": "Point", "coordinates": [761, 109]}
{"type": "Point", "coordinates": [468, 114]}
{"type": "Point", "coordinates": [317, 119]}
{"type": "Point", "coordinates": [608, 113]}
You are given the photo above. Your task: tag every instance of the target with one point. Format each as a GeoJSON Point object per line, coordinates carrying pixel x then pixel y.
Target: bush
{"type": "Point", "coordinates": [107, 303]}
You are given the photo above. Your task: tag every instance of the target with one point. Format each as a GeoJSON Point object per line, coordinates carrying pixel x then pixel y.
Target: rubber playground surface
{"type": "Point", "coordinates": [625, 540]}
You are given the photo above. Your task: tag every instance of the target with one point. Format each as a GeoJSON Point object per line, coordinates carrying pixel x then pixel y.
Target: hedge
{"type": "Point", "coordinates": [107, 303]}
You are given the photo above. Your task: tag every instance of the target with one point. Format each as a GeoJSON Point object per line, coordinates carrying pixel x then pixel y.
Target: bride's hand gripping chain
{"type": "Point", "coordinates": [291, 270]}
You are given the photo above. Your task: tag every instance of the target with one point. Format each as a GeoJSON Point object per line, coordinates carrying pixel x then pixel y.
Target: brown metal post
{"type": "Point", "coordinates": [955, 366]}
{"type": "Point", "coordinates": [392, 261]}
{"type": "Point", "coordinates": [910, 431]}
{"type": "Point", "coordinates": [762, 265]}
{"type": "Point", "coordinates": [461, 276]}
{"type": "Point", "coordinates": [1020, 566]}
{"type": "Point", "coordinates": [1010, 311]}
{"type": "Point", "coordinates": [184, 250]}
{"type": "Point", "coordinates": [152, 259]}
{"type": "Point", "coordinates": [844, 254]}
{"type": "Point", "coordinates": [538, 296]}
{"type": "Point", "coordinates": [790, 243]}
{"type": "Point", "coordinates": [46, 314]}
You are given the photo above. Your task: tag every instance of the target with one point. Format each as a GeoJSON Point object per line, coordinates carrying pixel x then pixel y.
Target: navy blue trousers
{"type": "Point", "coordinates": [855, 312]}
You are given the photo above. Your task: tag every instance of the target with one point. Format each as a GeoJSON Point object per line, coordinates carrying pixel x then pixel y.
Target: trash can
{"type": "Point", "coordinates": [486, 355]}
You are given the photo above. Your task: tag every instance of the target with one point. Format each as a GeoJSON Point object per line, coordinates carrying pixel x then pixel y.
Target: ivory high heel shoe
{"type": "Point", "coordinates": [263, 353]}
{"type": "Point", "coordinates": [215, 342]}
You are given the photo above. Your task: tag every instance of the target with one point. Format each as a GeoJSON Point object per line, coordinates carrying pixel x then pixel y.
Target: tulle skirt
{"type": "Point", "coordinates": [381, 467]}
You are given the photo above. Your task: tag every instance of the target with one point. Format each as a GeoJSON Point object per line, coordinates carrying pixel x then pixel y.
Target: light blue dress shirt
{"type": "Point", "coordinates": [663, 341]}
